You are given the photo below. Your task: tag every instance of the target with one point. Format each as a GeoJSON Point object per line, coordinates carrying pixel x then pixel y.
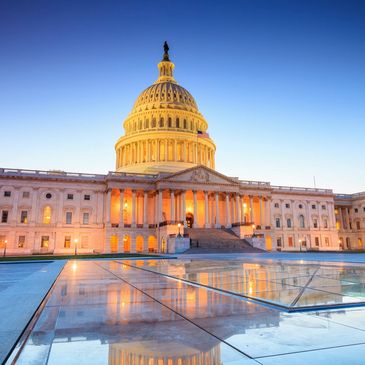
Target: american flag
{"type": "Point", "coordinates": [202, 134]}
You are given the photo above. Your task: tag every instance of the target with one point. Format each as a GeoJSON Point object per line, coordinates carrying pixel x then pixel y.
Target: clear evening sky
{"type": "Point", "coordinates": [281, 83]}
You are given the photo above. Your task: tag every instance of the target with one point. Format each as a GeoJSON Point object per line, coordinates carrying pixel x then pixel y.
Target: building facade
{"type": "Point", "coordinates": [165, 182]}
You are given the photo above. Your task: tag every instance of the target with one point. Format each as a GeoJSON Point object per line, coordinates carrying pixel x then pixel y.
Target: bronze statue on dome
{"type": "Point", "coordinates": [166, 52]}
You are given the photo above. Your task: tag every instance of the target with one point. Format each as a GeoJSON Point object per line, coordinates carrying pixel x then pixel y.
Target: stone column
{"type": "Point", "coordinates": [134, 210]}
{"type": "Point", "coordinates": [282, 215]}
{"type": "Point", "coordinates": [261, 213]}
{"type": "Point", "coordinates": [121, 210]}
{"type": "Point", "coordinates": [228, 212]}
{"type": "Point", "coordinates": [251, 209]}
{"type": "Point", "coordinates": [347, 216]}
{"type": "Point", "coordinates": [172, 206]}
{"type": "Point", "coordinates": [319, 215]}
{"type": "Point", "coordinates": [268, 212]}
{"type": "Point", "coordinates": [341, 218]}
{"type": "Point", "coordinates": [238, 208]}
{"type": "Point", "coordinates": [166, 150]}
{"type": "Point", "coordinates": [108, 206]}
{"type": "Point", "coordinates": [159, 209]}
{"type": "Point", "coordinates": [145, 209]}
{"type": "Point", "coordinates": [14, 214]}
{"type": "Point", "coordinates": [217, 212]}
{"type": "Point", "coordinates": [34, 209]}
{"type": "Point", "coordinates": [183, 207]}
{"type": "Point", "coordinates": [195, 224]}
{"type": "Point", "coordinates": [308, 225]}
{"type": "Point", "coordinates": [206, 209]}
{"type": "Point", "coordinates": [59, 219]}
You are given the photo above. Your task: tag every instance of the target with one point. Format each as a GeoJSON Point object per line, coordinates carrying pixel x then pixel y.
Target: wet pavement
{"type": "Point", "coordinates": [157, 312]}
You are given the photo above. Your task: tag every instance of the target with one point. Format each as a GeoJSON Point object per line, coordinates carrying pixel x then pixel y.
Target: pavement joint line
{"type": "Point", "coordinates": [179, 314]}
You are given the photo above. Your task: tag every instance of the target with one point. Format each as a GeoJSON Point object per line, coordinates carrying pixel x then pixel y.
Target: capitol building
{"type": "Point", "coordinates": [165, 193]}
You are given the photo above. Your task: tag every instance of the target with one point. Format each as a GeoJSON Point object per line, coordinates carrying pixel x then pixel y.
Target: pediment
{"type": "Point", "coordinates": [200, 174]}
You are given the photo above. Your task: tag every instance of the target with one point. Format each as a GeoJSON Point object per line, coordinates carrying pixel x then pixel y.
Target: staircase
{"type": "Point", "coordinates": [213, 240]}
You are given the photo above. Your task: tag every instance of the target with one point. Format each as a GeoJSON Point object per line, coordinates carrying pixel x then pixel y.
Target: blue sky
{"type": "Point", "coordinates": [281, 83]}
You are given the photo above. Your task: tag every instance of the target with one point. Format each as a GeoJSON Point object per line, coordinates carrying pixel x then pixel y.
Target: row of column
{"type": "Point", "coordinates": [236, 210]}
{"type": "Point", "coordinates": [165, 150]}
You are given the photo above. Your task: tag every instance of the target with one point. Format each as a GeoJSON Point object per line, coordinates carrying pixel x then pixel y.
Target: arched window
{"type": "Point", "coordinates": [153, 123]}
{"type": "Point", "coordinates": [161, 123]}
{"type": "Point", "coordinates": [301, 221]}
{"type": "Point", "coordinates": [169, 122]}
{"type": "Point", "coordinates": [177, 123]}
{"type": "Point", "coordinates": [139, 243]}
{"type": "Point", "coordinates": [47, 214]}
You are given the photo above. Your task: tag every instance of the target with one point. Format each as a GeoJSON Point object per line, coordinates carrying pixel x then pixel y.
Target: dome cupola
{"type": "Point", "coordinates": [164, 132]}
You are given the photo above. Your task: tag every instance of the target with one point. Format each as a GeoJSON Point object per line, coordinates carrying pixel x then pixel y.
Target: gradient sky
{"type": "Point", "coordinates": [281, 83]}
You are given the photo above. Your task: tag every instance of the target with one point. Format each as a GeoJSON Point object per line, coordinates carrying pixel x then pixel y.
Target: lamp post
{"type": "Point", "coordinates": [5, 242]}
{"type": "Point", "coordinates": [179, 225]}
{"type": "Point", "coordinates": [76, 240]}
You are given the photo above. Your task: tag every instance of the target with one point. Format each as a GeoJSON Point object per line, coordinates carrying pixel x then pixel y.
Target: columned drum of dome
{"type": "Point", "coordinates": [164, 132]}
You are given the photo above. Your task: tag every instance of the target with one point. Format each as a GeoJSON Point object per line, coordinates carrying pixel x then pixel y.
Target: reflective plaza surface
{"type": "Point", "coordinates": [194, 311]}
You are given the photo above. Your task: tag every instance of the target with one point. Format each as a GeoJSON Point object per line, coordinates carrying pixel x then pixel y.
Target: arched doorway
{"type": "Point", "coordinates": [189, 220]}
{"type": "Point", "coordinates": [139, 244]}
{"type": "Point", "coordinates": [152, 244]}
{"type": "Point", "coordinates": [113, 243]}
{"type": "Point", "coordinates": [127, 243]}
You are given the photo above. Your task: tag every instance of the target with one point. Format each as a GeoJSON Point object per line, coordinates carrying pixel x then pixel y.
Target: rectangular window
{"type": "Point", "coordinates": [316, 241]}
{"type": "Point", "coordinates": [25, 194]}
{"type": "Point", "coordinates": [327, 241]}
{"type": "Point", "coordinates": [313, 206]}
{"type": "Point", "coordinates": [357, 225]}
{"type": "Point", "coordinates": [315, 223]}
{"type": "Point", "coordinates": [85, 218]}
{"type": "Point", "coordinates": [4, 216]}
{"type": "Point", "coordinates": [24, 216]}
{"type": "Point", "coordinates": [325, 223]}
{"type": "Point", "coordinates": [45, 242]}
{"type": "Point", "coordinates": [356, 210]}
{"type": "Point", "coordinates": [323, 207]}
{"type": "Point", "coordinates": [288, 222]}
{"type": "Point", "coordinates": [67, 243]}
{"type": "Point", "coordinates": [290, 241]}
{"type": "Point", "coordinates": [87, 197]}
{"type": "Point", "coordinates": [70, 196]}
{"type": "Point", "coordinates": [277, 222]}
{"type": "Point", "coordinates": [7, 194]}
{"type": "Point", "coordinates": [287, 205]}
{"type": "Point", "coordinates": [21, 241]}
{"type": "Point", "coordinates": [278, 242]}
{"type": "Point", "coordinates": [68, 217]}
{"type": "Point", "coordinates": [276, 205]}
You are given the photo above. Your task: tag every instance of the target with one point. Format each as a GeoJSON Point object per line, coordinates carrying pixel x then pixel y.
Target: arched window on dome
{"type": "Point", "coordinates": [146, 124]}
{"type": "Point", "coordinates": [161, 122]}
{"type": "Point", "coordinates": [139, 124]}
{"type": "Point", "coordinates": [185, 124]}
{"type": "Point", "coordinates": [153, 123]}
{"type": "Point", "coordinates": [177, 123]}
{"type": "Point", "coordinates": [170, 151]}
{"type": "Point", "coordinates": [153, 151]}
{"type": "Point", "coordinates": [162, 150]}
{"type": "Point", "coordinates": [169, 122]}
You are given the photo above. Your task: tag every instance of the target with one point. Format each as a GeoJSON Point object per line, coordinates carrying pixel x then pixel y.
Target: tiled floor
{"type": "Point", "coordinates": [130, 312]}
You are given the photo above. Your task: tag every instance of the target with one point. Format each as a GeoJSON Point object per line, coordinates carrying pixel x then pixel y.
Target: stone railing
{"type": "Point", "coordinates": [295, 189]}
{"type": "Point", "coordinates": [49, 173]}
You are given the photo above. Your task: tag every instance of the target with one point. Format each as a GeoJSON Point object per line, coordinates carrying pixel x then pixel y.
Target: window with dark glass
{"type": "Point", "coordinates": [277, 222]}
{"type": "Point", "coordinates": [87, 197]}
{"type": "Point", "coordinates": [26, 194]}
{"type": "Point", "coordinates": [24, 216]}
{"type": "Point", "coordinates": [48, 195]}
{"type": "Point", "coordinates": [315, 223]}
{"type": "Point", "coordinates": [276, 205]}
{"type": "Point", "coordinates": [7, 194]}
{"type": "Point", "coordinates": [70, 196]}
{"type": "Point", "coordinates": [85, 218]}
{"type": "Point", "coordinates": [4, 216]}
{"type": "Point", "coordinates": [288, 223]}
{"type": "Point", "coordinates": [313, 206]}
{"type": "Point", "coordinates": [287, 205]}
{"type": "Point", "coordinates": [68, 217]}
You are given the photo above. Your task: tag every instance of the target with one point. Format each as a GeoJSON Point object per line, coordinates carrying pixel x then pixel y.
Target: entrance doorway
{"type": "Point", "coordinates": [189, 220]}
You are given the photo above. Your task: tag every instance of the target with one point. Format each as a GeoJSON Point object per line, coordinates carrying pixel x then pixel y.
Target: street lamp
{"type": "Point", "coordinates": [76, 240]}
{"type": "Point", "coordinates": [5, 242]}
{"type": "Point", "coordinates": [179, 225]}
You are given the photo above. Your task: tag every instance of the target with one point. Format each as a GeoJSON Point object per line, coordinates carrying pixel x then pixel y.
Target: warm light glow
{"type": "Point", "coordinates": [253, 226]}
{"type": "Point", "coordinates": [179, 225]}
{"type": "Point", "coordinates": [125, 205]}
{"type": "Point", "coordinates": [244, 205]}
{"type": "Point", "coordinates": [76, 240]}
{"type": "Point", "coordinates": [74, 266]}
